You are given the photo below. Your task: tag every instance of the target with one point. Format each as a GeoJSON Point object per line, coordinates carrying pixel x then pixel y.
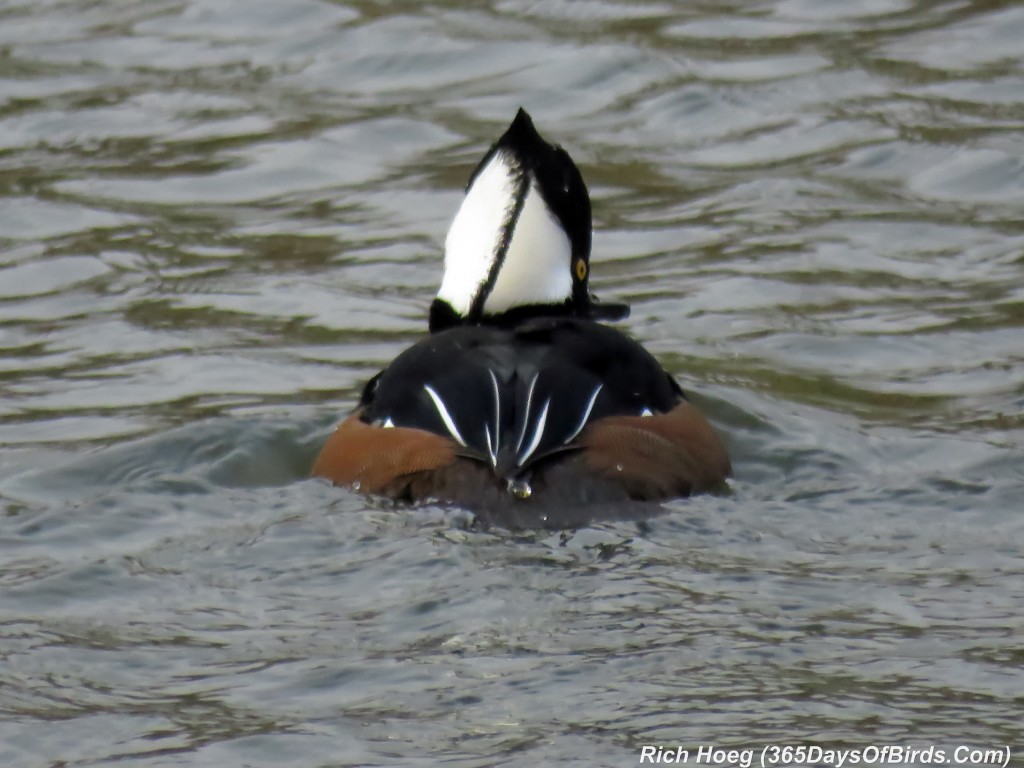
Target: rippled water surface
{"type": "Point", "coordinates": [219, 217]}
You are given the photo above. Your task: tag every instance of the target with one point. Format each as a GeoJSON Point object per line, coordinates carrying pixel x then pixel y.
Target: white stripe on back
{"type": "Point", "coordinates": [538, 431]}
{"type": "Point", "coordinates": [526, 411]}
{"type": "Point", "coordinates": [586, 414]}
{"type": "Point", "coordinates": [445, 416]}
{"type": "Point", "coordinates": [497, 421]}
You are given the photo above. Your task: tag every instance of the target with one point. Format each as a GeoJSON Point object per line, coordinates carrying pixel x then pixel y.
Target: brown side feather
{"type": "Point", "coordinates": [657, 457]}
{"type": "Point", "coordinates": [375, 457]}
{"type": "Point", "coordinates": [623, 460]}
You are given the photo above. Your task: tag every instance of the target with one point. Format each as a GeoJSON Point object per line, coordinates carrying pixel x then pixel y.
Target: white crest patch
{"type": "Point", "coordinates": [475, 233]}
{"type": "Point", "coordinates": [537, 267]}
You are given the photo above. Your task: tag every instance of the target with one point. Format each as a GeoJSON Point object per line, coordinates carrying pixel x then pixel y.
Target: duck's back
{"type": "Point", "coordinates": [549, 413]}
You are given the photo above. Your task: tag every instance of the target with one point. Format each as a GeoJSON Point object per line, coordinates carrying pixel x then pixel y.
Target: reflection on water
{"type": "Point", "coordinates": [218, 218]}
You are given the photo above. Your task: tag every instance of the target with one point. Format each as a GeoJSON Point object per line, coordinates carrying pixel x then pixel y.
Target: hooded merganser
{"type": "Point", "coordinates": [520, 405]}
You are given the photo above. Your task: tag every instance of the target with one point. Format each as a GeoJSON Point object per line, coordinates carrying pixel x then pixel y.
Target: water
{"type": "Point", "coordinates": [217, 219]}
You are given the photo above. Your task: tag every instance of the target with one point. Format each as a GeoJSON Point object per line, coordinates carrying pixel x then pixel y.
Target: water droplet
{"type": "Point", "coordinates": [618, 467]}
{"type": "Point", "coordinates": [520, 489]}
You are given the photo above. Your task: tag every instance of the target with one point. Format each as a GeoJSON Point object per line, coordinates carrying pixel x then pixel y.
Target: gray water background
{"type": "Point", "coordinates": [218, 218]}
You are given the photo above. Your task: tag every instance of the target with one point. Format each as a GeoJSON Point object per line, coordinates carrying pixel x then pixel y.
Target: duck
{"type": "Point", "coordinates": [522, 404]}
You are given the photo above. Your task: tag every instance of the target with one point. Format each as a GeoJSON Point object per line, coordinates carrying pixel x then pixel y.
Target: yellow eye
{"type": "Point", "coordinates": [581, 269]}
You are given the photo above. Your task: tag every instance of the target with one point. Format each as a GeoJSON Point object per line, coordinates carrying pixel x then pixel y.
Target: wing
{"type": "Point", "coordinates": [512, 397]}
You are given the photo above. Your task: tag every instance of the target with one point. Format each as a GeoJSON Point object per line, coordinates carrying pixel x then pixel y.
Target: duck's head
{"type": "Point", "coordinates": [520, 242]}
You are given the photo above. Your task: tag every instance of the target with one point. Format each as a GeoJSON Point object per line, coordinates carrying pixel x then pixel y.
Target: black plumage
{"type": "Point", "coordinates": [514, 396]}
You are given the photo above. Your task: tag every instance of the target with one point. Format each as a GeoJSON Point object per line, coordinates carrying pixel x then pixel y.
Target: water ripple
{"type": "Point", "coordinates": [219, 218]}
